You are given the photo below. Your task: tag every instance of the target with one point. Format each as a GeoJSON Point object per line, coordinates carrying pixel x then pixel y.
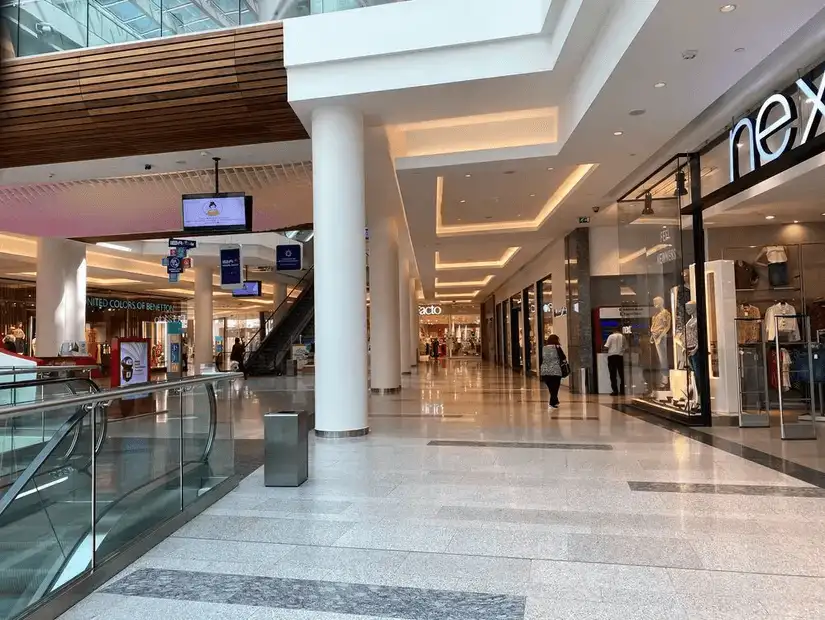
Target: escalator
{"type": "Point", "coordinates": [267, 351]}
{"type": "Point", "coordinates": [103, 479]}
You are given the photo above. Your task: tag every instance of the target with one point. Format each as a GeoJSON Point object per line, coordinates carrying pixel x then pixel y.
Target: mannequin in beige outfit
{"type": "Point", "coordinates": [660, 326]}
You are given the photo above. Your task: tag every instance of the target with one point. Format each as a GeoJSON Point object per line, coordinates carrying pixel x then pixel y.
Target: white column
{"type": "Point", "coordinates": [339, 219]}
{"type": "Point", "coordinates": [204, 316]}
{"type": "Point", "coordinates": [413, 329]}
{"type": "Point", "coordinates": [61, 294]}
{"type": "Point", "coordinates": [404, 316]}
{"type": "Point", "coordinates": [385, 340]}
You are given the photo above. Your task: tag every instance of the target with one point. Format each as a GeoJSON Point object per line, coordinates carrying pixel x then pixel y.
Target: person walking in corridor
{"type": "Point", "coordinates": [615, 346]}
{"type": "Point", "coordinates": [554, 368]}
{"type": "Point", "coordinates": [237, 355]}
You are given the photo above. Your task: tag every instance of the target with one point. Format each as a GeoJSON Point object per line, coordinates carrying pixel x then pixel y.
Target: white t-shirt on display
{"type": "Point", "coordinates": [615, 344]}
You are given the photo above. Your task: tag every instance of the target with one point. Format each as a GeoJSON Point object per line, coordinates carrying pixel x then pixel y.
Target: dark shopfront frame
{"type": "Point", "coordinates": [792, 155]}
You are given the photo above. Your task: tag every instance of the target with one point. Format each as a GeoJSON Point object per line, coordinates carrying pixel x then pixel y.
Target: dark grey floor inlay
{"type": "Point", "coordinates": [319, 596]}
{"type": "Point", "coordinates": [572, 417]}
{"type": "Point", "coordinates": [725, 489]}
{"type": "Point", "coordinates": [417, 417]}
{"type": "Point", "coordinates": [520, 444]}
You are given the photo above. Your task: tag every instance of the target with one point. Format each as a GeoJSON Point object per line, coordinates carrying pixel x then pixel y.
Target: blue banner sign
{"type": "Point", "coordinates": [288, 257]}
{"type": "Point", "coordinates": [231, 267]}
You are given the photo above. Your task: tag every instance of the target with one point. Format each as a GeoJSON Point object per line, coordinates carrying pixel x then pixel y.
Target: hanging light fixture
{"type": "Point", "coordinates": [681, 184]}
{"type": "Point", "coordinates": [648, 210]}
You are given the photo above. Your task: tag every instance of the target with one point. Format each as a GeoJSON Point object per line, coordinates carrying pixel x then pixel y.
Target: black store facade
{"type": "Point", "coordinates": [722, 263]}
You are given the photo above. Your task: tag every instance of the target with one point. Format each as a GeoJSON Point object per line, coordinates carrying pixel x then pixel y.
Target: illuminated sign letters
{"type": "Point", "coordinates": [429, 310]}
{"type": "Point", "coordinates": [778, 116]}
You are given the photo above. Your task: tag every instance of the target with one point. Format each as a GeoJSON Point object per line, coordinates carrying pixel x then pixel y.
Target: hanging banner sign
{"type": "Point", "coordinates": [231, 267]}
{"type": "Point", "coordinates": [288, 257]}
{"type": "Point", "coordinates": [778, 128]}
{"type": "Point", "coordinates": [187, 244]}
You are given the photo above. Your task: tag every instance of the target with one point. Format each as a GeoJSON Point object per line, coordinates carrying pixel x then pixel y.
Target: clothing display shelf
{"type": "Point", "coordinates": [796, 414]}
{"type": "Point", "coordinates": [754, 397]}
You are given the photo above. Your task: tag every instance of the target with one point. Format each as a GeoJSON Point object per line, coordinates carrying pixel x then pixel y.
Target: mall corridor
{"type": "Point", "coordinates": [469, 501]}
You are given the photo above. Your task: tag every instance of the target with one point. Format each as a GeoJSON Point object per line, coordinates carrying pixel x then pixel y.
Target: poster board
{"type": "Point", "coordinates": [130, 361]}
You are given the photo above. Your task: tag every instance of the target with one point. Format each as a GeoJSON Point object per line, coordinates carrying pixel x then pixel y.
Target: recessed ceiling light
{"type": "Point", "coordinates": [463, 201]}
{"type": "Point", "coordinates": [769, 217]}
{"type": "Point", "coordinates": [727, 8]}
{"type": "Point", "coordinates": [532, 195]}
{"type": "Point", "coordinates": [739, 50]}
{"type": "Point", "coordinates": [618, 133]}
{"type": "Point", "coordinates": [638, 112]}
{"type": "Point", "coordinates": [796, 221]}
{"type": "Point", "coordinates": [660, 85]}
{"type": "Point", "coordinates": [468, 175]}
{"type": "Point", "coordinates": [549, 169]}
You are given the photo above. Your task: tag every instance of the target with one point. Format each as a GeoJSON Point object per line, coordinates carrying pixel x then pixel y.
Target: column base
{"type": "Point", "coordinates": [342, 434]}
{"type": "Point", "coordinates": [383, 391]}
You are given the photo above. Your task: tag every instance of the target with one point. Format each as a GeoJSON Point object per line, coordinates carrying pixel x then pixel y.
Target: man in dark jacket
{"type": "Point", "coordinates": [237, 355]}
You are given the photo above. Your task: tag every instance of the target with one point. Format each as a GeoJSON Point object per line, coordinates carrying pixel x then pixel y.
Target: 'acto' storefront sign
{"type": "Point", "coordinates": [778, 117]}
{"type": "Point", "coordinates": [114, 303]}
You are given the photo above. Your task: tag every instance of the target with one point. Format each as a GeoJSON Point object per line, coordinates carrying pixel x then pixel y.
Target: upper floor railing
{"type": "Point", "coordinates": [31, 27]}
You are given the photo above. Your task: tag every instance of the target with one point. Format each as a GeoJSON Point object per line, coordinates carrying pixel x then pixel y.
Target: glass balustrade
{"type": "Point", "coordinates": [31, 27]}
{"type": "Point", "coordinates": [107, 469]}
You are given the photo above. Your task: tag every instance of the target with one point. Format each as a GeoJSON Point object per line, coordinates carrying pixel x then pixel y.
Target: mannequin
{"type": "Point", "coordinates": [692, 344]}
{"type": "Point", "coordinates": [682, 296]}
{"type": "Point", "coordinates": [659, 328]}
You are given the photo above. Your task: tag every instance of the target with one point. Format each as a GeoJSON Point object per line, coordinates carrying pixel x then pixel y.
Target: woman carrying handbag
{"type": "Point", "coordinates": [554, 368]}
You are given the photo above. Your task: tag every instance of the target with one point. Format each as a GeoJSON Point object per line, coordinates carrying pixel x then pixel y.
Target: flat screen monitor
{"type": "Point", "coordinates": [251, 288]}
{"type": "Point", "coordinates": [217, 213]}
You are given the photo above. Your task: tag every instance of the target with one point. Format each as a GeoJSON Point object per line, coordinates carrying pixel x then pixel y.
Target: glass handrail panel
{"type": "Point", "coordinates": [45, 516]}
{"type": "Point", "coordinates": [115, 469]}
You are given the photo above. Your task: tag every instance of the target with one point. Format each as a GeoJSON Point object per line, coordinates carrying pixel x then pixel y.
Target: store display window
{"type": "Point", "coordinates": [516, 331]}
{"type": "Point", "coordinates": [544, 312]}
{"type": "Point", "coordinates": [451, 332]}
{"type": "Point", "coordinates": [654, 266]}
{"type": "Point", "coordinates": [530, 327]}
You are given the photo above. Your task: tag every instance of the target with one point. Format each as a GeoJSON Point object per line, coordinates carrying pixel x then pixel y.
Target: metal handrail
{"type": "Point", "coordinates": [114, 393]}
{"type": "Point", "coordinates": [22, 370]}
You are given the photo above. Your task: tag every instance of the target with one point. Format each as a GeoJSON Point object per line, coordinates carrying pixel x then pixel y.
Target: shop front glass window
{"type": "Point", "coordinates": [659, 323]}
{"type": "Point", "coordinates": [530, 323]}
{"type": "Point", "coordinates": [516, 331]}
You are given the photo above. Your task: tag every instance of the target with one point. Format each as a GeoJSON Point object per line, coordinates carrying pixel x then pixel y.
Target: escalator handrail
{"type": "Point", "coordinates": [259, 334]}
{"type": "Point", "coordinates": [42, 370]}
{"type": "Point", "coordinates": [114, 394]}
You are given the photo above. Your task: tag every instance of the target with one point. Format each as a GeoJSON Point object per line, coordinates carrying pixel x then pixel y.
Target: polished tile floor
{"type": "Point", "coordinates": [468, 501]}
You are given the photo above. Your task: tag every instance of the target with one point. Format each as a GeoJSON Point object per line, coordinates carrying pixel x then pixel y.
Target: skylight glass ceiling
{"type": "Point", "coordinates": [32, 27]}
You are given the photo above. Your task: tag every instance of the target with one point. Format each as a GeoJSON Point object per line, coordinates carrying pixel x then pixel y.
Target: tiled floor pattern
{"type": "Point", "coordinates": [560, 529]}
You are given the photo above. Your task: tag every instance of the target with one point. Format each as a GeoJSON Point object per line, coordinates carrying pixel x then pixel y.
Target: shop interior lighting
{"type": "Point", "coordinates": [114, 246]}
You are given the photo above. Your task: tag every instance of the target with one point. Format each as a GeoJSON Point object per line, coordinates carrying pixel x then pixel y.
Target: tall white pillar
{"type": "Point", "coordinates": [413, 329]}
{"type": "Point", "coordinates": [61, 294]}
{"type": "Point", "coordinates": [339, 220]}
{"type": "Point", "coordinates": [385, 340]}
{"type": "Point", "coordinates": [404, 316]}
{"type": "Point", "coordinates": [204, 316]}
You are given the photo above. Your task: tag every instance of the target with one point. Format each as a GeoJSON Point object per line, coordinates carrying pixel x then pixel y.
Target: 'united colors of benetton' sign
{"type": "Point", "coordinates": [778, 116]}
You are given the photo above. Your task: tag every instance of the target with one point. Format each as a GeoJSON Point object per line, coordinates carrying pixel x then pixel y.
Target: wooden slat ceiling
{"type": "Point", "coordinates": [210, 90]}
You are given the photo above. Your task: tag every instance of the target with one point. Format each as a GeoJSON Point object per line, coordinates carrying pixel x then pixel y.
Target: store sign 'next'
{"type": "Point", "coordinates": [777, 117]}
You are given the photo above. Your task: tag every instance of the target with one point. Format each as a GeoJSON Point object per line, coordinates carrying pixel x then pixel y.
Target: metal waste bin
{"type": "Point", "coordinates": [286, 452]}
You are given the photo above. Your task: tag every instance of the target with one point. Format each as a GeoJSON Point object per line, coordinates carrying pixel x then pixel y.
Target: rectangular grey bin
{"type": "Point", "coordinates": [286, 452]}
